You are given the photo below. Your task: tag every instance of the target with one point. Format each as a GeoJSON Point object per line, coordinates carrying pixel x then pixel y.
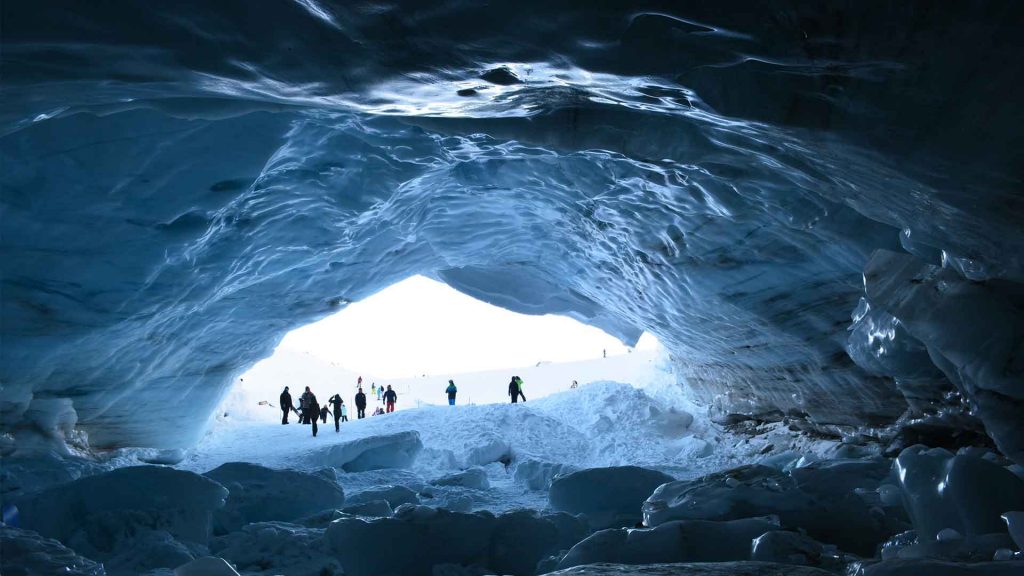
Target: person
{"type": "Point", "coordinates": [452, 391]}
{"type": "Point", "coordinates": [344, 412]}
{"type": "Point", "coordinates": [314, 410]}
{"type": "Point", "coordinates": [360, 404]}
{"type": "Point", "coordinates": [380, 393]}
{"type": "Point", "coordinates": [574, 385]}
{"type": "Point", "coordinates": [390, 397]}
{"type": "Point", "coordinates": [307, 406]}
{"type": "Point", "coordinates": [519, 385]}
{"type": "Point", "coordinates": [323, 413]}
{"type": "Point", "coordinates": [378, 411]}
{"type": "Point", "coordinates": [338, 412]}
{"type": "Point", "coordinates": [286, 405]}
{"type": "Point", "coordinates": [513, 390]}
{"type": "Point", "coordinates": [373, 389]}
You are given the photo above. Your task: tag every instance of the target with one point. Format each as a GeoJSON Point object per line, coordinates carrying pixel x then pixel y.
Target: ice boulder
{"type": "Point", "coordinates": [24, 552]}
{"type": "Point", "coordinates": [277, 548]}
{"type": "Point", "coordinates": [607, 496]}
{"type": "Point", "coordinates": [537, 475]}
{"type": "Point", "coordinates": [692, 569]}
{"type": "Point", "coordinates": [175, 501]}
{"type": "Point", "coordinates": [395, 496]}
{"type": "Point", "coordinates": [397, 450]}
{"type": "Point", "coordinates": [679, 541]}
{"type": "Point", "coordinates": [260, 494]}
{"type": "Point", "coordinates": [373, 508]}
{"type": "Point", "coordinates": [1015, 525]}
{"type": "Point", "coordinates": [809, 498]}
{"type": "Point", "coordinates": [475, 478]}
{"type": "Point", "coordinates": [962, 492]}
{"type": "Point", "coordinates": [206, 566]}
{"type": "Point", "coordinates": [932, 567]}
{"type": "Point", "coordinates": [488, 449]}
{"type": "Point", "coordinates": [787, 547]}
{"type": "Point", "coordinates": [439, 541]}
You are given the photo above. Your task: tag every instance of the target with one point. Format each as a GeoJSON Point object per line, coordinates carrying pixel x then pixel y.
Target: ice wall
{"type": "Point", "coordinates": [184, 183]}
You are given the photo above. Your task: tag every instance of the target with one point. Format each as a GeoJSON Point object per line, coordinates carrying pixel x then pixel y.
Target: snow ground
{"type": "Point", "coordinates": [628, 410]}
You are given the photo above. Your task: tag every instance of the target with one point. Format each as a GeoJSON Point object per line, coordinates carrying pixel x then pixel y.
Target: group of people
{"type": "Point", "coordinates": [309, 409]}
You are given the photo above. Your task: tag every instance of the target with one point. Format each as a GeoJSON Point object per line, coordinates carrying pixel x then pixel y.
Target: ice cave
{"type": "Point", "coordinates": [815, 207]}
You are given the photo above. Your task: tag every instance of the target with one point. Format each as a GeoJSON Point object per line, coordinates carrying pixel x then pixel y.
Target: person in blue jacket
{"type": "Point", "coordinates": [452, 391]}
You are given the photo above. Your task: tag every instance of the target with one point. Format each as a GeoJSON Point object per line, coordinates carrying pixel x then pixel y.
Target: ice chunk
{"type": "Point", "coordinates": [787, 548]}
{"type": "Point", "coordinates": [475, 478]}
{"type": "Point", "coordinates": [678, 541]}
{"type": "Point", "coordinates": [179, 502]}
{"type": "Point", "coordinates": [277, 548]}
{"type": "Point", "coordinates": [961, 492]}
{"type": "Point", "coordinates": [259, 494]}
{"type": "Point", "coordinates": [537, 475]}
{"type": "Point", "coordinates": [206, 566]}
{"type": "Point", "coordinates": [489, 449]}
{"type": "Point", "coordinates": [373, 508]}
{"type": "Point", "coordinates": [397, 450]}
{"type": "Point", "coordinates": [1015, 524]}
{"type": "Point", "coordinates": [607, 496]}
{"type": "Point", "coordinates": [510, 543]}
{"type": "Point", "coordinates": [395, 496]}
{"type": "Point", "coordinates": [26, 552]}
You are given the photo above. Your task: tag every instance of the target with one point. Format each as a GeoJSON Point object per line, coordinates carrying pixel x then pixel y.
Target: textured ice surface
{"type": "Point", "coordinates": [259, 494]}
{"type": "Point", "coordinates": [397, 450]}
{"type": "Point", "coordinates": [608, 497]}
{"type": "Point", "coordinates": [941, 568]}
{"type": "Point", "coordinates": [24, 552]}
{"type": "Point", "coordinates": [693, 569]}
{"type": "Point", "coordinates": [183, 185]}
{"type": "Point", "coordinates": [277, 548]}
{"type": "Point", "coordinates": [678, 541]}
{"type": "Point", "coordinates": [206, 566]}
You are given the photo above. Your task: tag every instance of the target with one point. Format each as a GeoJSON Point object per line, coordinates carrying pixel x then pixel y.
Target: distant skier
{"type": "Point", "coordinates": [360, 404]}
{"type": "Point", "coordinates": [286, 405]}
{"type": "Point", "coordinates": [323, 413]}
{"type": "Point", "coordinates": [306, 406]}
{"type": "Point", "coordinates": [339, 410]}
{"type": "Point", "coordinates": [390, 397]}
{"type": "Point", "coordinates": [314, 410]}
{"type": "Point", "coordinates": [452, 391]}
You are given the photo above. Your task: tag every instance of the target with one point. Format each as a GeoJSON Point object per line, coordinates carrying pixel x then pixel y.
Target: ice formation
{"type": "Point", "coordinates": [815, 207]}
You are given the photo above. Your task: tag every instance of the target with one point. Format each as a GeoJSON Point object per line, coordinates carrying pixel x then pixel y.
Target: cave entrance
{"type": "Point", "coordinates": [418, 333]}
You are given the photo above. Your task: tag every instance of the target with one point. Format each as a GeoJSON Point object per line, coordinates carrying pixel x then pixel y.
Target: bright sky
{"type": "Point", "coordinates": [420, 326]}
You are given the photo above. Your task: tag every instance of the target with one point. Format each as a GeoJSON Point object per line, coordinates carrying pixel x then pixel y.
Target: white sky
{"type": "Point", "coordinates": [420, 326]}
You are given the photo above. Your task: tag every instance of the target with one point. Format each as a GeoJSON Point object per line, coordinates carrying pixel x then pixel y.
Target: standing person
{"type": "Point", "coordinates": [344, 412]}
{"type": "Point", "coordinates": [390, 397]}
{"type": "Point", "coordinates": [373, 389]}
{"type": "Point", "coordinates": [452, 391]}
{"type": "Point", "coordinates": [380, 393]}
{"type": "Point", "coordinates": [323, 413]}
{"type": "Point", "coordinates": [286, 405]}
{"type": "Point", "coordinates": [360, 404]}
{"type": "Point", "coordinates": [307, 406]}
{"type": "Point", "coordinates": [519, 386]}
{"type": "Point", "coordinates": [338, 404]}
{"type": "Point", "coordinates": [513, 390]}
{"type": "Point", "coordinates": [314, 409]}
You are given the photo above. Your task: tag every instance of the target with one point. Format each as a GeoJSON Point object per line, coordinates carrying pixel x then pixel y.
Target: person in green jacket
{"type": "Point", "coordinates": [452, 391]}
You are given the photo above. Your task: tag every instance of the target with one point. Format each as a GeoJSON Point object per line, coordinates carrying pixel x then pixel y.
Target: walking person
{"type": "Point", "coordinates": [307, 407]}
{"type": "Point", "coordinates": [339, 410]}
{"type": "Point", "coordinates": [286, 405]}
{"type": "Point", "coordinates": [390, 397]}
{"type": "Point", "coordinates": [323, 413]}
{"type": "Point", "coordinates": [314, 409]}
{"type": "Point", "coordinates": [452, 391]}
{"type": "Point", "coordinates": [519, 385]}
{"type": "Point", "coordinates": [360, 404]}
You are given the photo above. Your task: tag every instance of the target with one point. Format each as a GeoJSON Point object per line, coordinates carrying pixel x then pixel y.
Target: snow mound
{"type": "Point", "coordinates": [398, 450]}
{"type": "Point", "coordinates": [608, 497]}
{"type": "Point", "coordinates": [260, 494]}
{"type": "Point", "coordinates": [679, 541]}
{"type": "Point", "coordinates": [26, 552]}
{"type": "Point", "coordinates": [537, 475]}
{"type": "Point", "coordinates": [511, 543]}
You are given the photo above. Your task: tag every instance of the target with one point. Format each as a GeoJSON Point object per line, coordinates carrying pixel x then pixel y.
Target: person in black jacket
{"type": "Point", "coordinates": [336, 402]}
{"type": "Point", "coordinates": [360, 404]}
{"type": "Point", "coordinates": [390, 397]}
{"type": "Point", "coordinates": [513, 390]}
{"type": "Point", "coordinates": [306, 402]}
{"type": "Point", "coordinates": [286, 405]}
{"type": "Point", "coordinates": [314, 410]}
